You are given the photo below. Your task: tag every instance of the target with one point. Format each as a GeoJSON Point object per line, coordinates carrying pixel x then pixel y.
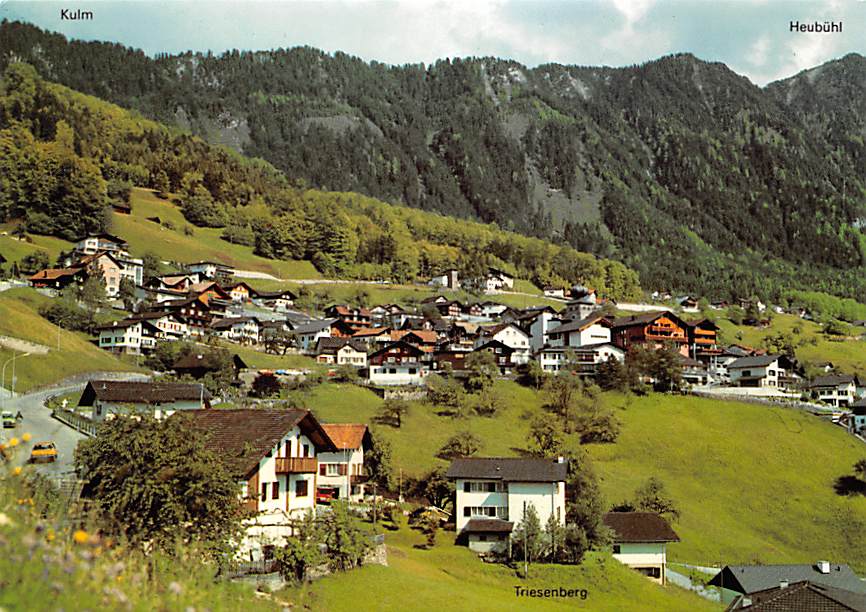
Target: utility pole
{"type": "Point", "coordinates": [400, 497]}
{"type": "Point", "coordinates": [525, 547]}
{"type": "Point", "coordinates": [374, 503]}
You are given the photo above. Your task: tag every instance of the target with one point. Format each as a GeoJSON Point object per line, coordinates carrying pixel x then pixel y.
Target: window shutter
{"type": "Point", "coordinates": [264, 491]}
{"type": "Point", "coordinates": [275, 490]}
{"type": "Point", "coordinates": [321, 469]}
{"type": "Point", "coordinates": [342, 469]}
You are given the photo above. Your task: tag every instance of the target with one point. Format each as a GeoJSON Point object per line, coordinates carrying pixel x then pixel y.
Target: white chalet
{"type": "Point", "coordinates": [273, 454]}
{"type": "Point", "coordinates": [398, 363]}
{"type": "Point", "coordinates": [584, 359]}
{"type": "Point", "coordinates": [341, 472]}
{"type": "Point", "coordinates": [773, 371]}
{"type": "Point", "coordinates": [594, 329]}
{"type": "Point", "coordinates": [308, 333]}
{"type": "Point", "coordinates": [341, 351]}
{"type": "Point", "coordinates": [838, 390]}
{"type": "Point", "coordinates": [130, 336]}
{"type": "Point", "coordinates": [170, 325]}
{"type": "Point", "coordinates": [640, 541]}
{"type": "Point", "coordinates": [493, 494]}
{"type": "Point", "coordinates": [243, 330]}
{"type": "Point", "coordinates": [511, 335]}
{"type": "Point", "coordinates": [497, 280]}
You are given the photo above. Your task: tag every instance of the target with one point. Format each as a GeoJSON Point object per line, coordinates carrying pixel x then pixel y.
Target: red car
{"type": "Point", "coordinates": [325, 496]}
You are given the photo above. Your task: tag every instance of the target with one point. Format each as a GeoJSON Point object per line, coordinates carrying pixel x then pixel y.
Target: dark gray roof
{"type": "Point", "coordinates": [509, 469]}
{"type": "Point", "coordinates": [488, 526]}
{"type": "Point", "coordinates": [834, 380]}
{"type": "Point", "coordinates": [752, 578]}
{"type": "Point", "coordinates": [639, 527]}
{"type": "Point", "coordinates": [802, 596]}
{"type": "Point", "coordinates": [332, 344]}
{"type": "Point", "coordinates": [578, 325]}
{"type": "Point", "coordinates": [135, 392]}
{"type": "Point", "coordinates": [231, 322]}
{"type": "Point", "coordinates": [757, 361]}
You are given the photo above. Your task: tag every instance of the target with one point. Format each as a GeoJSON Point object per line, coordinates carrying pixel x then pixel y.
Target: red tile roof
{"type": "Point", "coordinates": [346, 435]}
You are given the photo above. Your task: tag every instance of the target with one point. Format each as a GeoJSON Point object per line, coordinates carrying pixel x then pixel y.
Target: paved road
{"type": "Point", "coordinates": [41, 427]}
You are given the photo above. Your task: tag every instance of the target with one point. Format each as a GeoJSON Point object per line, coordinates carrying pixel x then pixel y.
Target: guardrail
{"type": "Point", "coordinates": [75, 421]}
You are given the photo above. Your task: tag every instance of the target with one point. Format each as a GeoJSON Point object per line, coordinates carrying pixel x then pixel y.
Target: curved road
{"type": "Point", "coordinates": [43, 428]}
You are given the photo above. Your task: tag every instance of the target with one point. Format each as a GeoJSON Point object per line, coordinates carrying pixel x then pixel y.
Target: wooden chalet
{"type": "Point", "coordinates": [651, 329]}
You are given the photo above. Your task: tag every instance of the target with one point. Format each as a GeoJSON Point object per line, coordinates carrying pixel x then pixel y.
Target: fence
{"type": "Point", "coordinates": [75, 421]}
{"type": "Point", "coordinates": [237, 569]}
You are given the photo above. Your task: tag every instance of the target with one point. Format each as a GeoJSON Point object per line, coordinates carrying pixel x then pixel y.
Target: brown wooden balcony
{"type": "Point", "coordinates": [297, 465]}
{"type": "Point", "coordinates": [357, 479]}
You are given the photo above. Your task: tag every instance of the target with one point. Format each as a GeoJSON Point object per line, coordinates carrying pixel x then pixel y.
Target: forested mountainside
{"type": "Point", "coordinates": [682, 169]}
{"type": "Point", "coordinates": [64, 154]}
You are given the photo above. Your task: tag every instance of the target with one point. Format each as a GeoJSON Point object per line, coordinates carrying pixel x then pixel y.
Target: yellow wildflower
{"type": "Point", "coordinates": [26, 437]}
{"type": "Point", "coordinates": [17, 471]}
{"type": "Point", "coordinates": [13, 442]}
{"type": "Point", "coordinates": [80, 536]}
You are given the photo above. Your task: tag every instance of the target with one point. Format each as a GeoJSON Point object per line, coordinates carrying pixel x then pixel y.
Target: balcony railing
{"type": "Point", "coordinates": [357, 479]}
{"type": "Point", "coordinates": [297, 465]}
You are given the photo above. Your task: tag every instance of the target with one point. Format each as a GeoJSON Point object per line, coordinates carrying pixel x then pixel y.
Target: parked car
{"type": "Point", "coordinates": [325, 496]}
{"type": "Point", "coordinates": [43, 452]}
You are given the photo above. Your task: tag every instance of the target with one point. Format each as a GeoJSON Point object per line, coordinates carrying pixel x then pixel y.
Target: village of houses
{"type": "Point", "coordinates": [300, 463]}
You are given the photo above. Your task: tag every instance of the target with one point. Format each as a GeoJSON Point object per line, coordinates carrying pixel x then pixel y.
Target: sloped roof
{"type": "Point", "coordinates": [365, 332]}
{"type": "Point", "coordinates": [645, 318]}
{"type": "Point", "coordinates": [753, 578]}
{"type": "Point", "coordinates": [488, 525]}
{"type": "Point", "coordinates": [802, 596]}
{"type": "Point", "coordinates": [346, 436]}
{"type": "Point", "coordinates": [207, 360]}
{"type": "Point", "coordinates": [55, 273]}
{"type": "Point", "coordinates": [332, 344]}
{"type": "Point", "coordinates": [508, 469]}
{"type": "Point", "coordinates": [242, 437]}
{"type": "Point", "coordinates": [757, 361]}
{"type": "Point", "coordinates": [427, 336]}
{"type": "Point", "coordinates": [581, 324]}
{"type": "Point", "coordinates": [231, 322]}
{"type": "Point", "coordinates": [834, 380]}
{"type": "Point", "coordinates": [136, 392]}
{"type": "Point", "coordinates": [639, 527]}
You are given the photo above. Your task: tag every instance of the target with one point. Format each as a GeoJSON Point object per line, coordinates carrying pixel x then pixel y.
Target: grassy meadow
{"type": "Point", "coordinates": [753, 483]}
{"type": "Point", "coordinates": [203, 244]}
{"type": "Point", "coordinates": [449, 577]}
{"type": "Point", "coordinates": [19, 318]}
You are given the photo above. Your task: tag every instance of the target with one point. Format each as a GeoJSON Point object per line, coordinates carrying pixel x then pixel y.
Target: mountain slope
{"type": "Point", "coordinates": [681, 168]}
{"type": "Point", "coordinates": [66, 155]}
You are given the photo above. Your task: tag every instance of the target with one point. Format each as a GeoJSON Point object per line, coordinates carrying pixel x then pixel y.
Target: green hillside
{"type": "Point", "coordinates": [204, 244]}
{"type": "Point", "coordinates": [19, 318]}
{"type": "Point", "coordinates": [752, 482]}
{"type": "Point", "coordinates": [811, 346]}
{"type": "Point", "coordinates": [450, 577]}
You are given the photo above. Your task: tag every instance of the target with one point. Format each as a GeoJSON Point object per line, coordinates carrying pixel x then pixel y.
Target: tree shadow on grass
{"type": "Point", "coordinates": [849, 485]}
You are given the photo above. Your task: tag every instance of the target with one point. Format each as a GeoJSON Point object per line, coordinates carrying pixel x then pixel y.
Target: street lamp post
{"type": "Point", "coordinates": [3, 376]}
{"type": "Point", "coordinates": [12, 359]}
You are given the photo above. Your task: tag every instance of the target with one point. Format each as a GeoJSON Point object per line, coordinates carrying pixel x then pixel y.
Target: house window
{"type": "Point", "coordinates": [617, 549]}
{"type": "Point", "coordinates": [306, 450]}
{"type": "Point", "coordinates": [333, 469]}
{"type": "Point", "coordinates": [264, 491]}
{"type": "Point", "coordinates": [275, 490]}
{"type": "Point", "coordinates": [301, 488]}
{"type": "Point", "coordinates": [412, 370]}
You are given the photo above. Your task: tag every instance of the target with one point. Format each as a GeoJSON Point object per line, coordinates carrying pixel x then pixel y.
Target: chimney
{"type": "Point", "coordinates": [824, 567]}
{"type": "Point", "coordinates": [783, 584]}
